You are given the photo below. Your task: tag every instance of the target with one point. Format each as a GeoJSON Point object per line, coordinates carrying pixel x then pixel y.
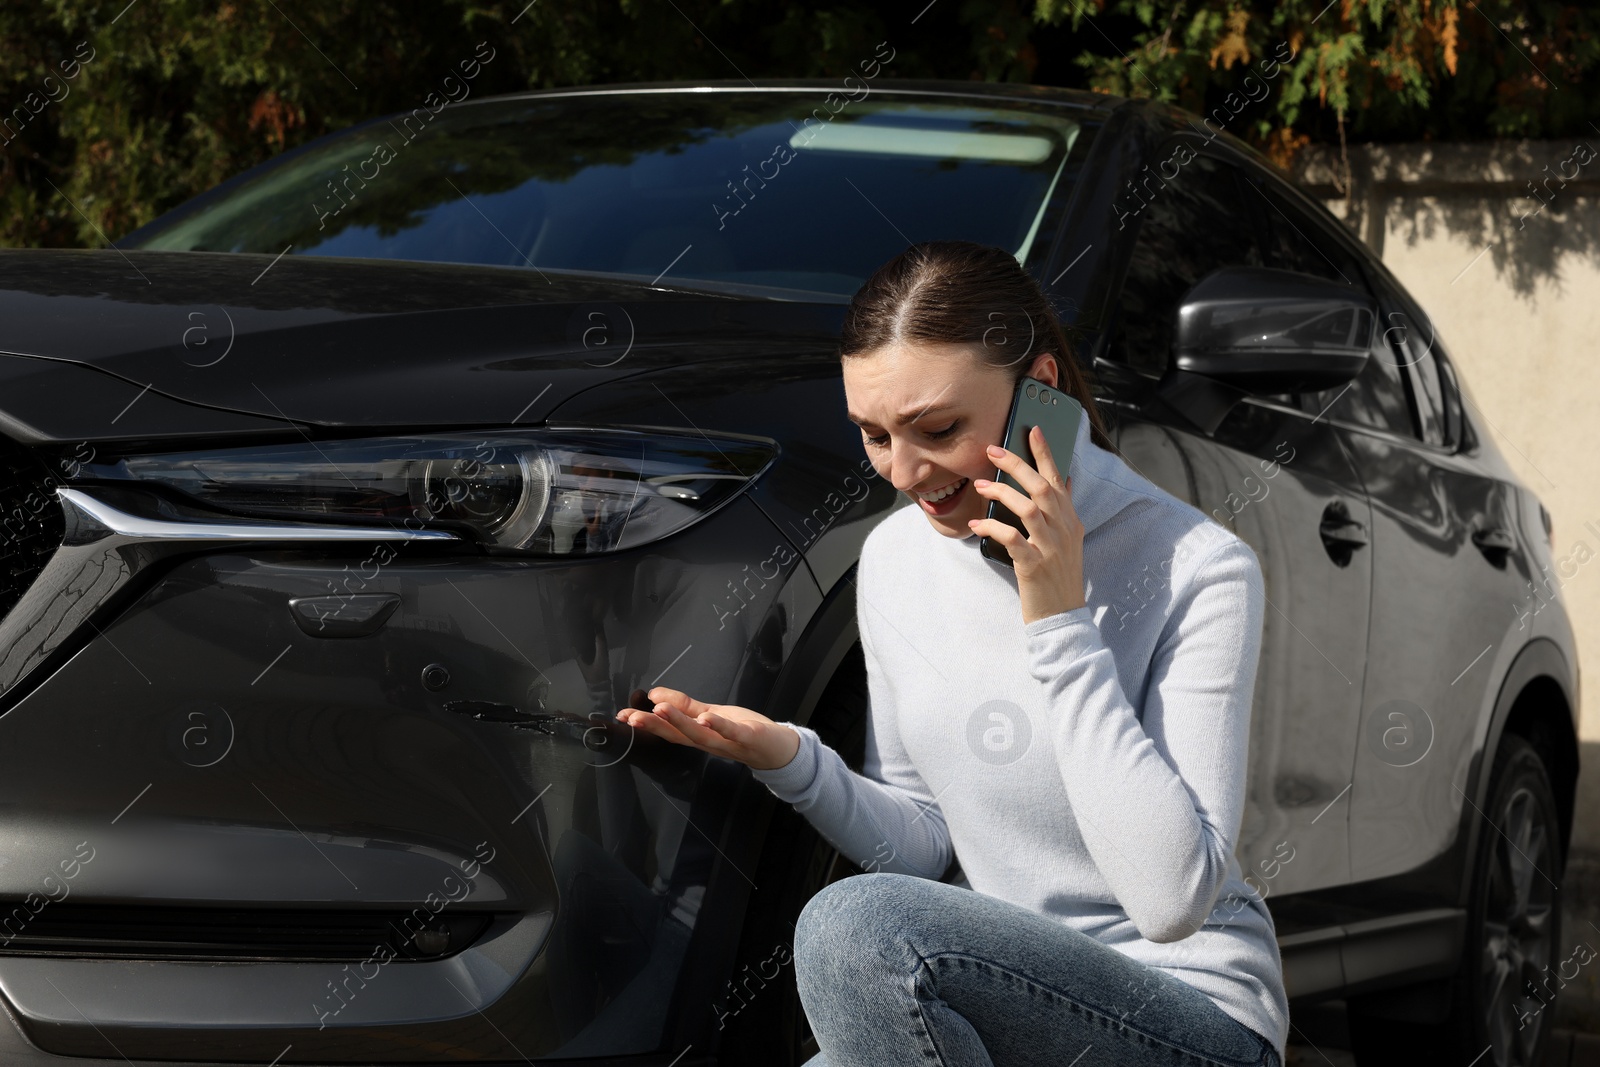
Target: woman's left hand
{"type": "Point", "coordinates": [1049, 560]}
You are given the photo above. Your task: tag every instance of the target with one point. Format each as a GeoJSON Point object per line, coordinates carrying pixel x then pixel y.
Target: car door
{"type": "Point", "coordinates": [1444, 528]}
{"type": "Point", "coordinates": [1280, 480]}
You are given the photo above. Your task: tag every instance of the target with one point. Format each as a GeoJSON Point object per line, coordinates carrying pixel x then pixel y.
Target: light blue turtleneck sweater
{"type": "Point", "coordinates": [1089, 766]}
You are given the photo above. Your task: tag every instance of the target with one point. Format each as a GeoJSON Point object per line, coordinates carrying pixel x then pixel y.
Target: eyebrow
{"type": "Point", "coordinates": [903, 417]}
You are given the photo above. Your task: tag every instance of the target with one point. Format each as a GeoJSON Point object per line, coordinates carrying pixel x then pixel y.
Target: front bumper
{"type": "Point", "coordinates": [217, 750]}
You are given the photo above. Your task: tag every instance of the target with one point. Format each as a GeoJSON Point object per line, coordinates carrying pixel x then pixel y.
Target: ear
{"type": "Point", "coordinates": [1046, 369]}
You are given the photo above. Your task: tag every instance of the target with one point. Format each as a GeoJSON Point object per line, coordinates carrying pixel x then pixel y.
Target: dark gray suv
{"type": "Point", "coordinates": [347, 502]}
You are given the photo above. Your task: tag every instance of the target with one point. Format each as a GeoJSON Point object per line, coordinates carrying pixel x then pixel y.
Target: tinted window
{"type": "Point", "coordinates": [1188, 226]}
{"type": "Point", "coordinates": [1296, 241]}
{"type": "Point", "coordinates": [1413, 333]}
{"type": "Point", "coordinates": [758, 188]}
{"type": "Point", "coordinates": [1452, 399]}
{"type": "Point", "coordinates": [1430, 401]}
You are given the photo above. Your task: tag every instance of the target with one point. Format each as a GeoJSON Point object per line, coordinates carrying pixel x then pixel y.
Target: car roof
{"type": "Point", "coordinates": [1100, 105]}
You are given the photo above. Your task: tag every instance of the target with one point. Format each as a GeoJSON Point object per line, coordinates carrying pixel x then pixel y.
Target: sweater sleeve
{"type": "Point", "coordinates": [1159, 804]}
{"type": "Point", "coordinates": [885, 819]}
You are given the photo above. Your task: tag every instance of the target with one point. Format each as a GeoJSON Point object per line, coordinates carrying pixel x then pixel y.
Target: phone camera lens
{"type": "Point", "coordinates": [1044, 394]}
{"type": "Point", "coordinates": [1032, 391]}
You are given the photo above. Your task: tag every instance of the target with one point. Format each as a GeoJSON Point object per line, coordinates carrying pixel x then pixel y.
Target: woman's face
{"type": "Point", "coordinates": [953, 405]}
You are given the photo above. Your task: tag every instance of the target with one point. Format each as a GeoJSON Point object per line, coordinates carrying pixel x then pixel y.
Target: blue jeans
{"type": "Point", "coordinates": [898, 971]}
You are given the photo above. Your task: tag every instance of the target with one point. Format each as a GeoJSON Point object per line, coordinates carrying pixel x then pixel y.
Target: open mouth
{"type": "Point", "coordinates": [945, 501]}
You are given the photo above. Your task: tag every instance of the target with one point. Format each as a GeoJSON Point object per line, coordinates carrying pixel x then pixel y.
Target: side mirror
{"type": "Point", "coordinates": [1255, 330]}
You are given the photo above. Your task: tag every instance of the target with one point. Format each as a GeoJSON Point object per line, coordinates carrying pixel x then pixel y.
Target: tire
{"type": "Point", "coordinates": [1500, 1006]}
{"type": "Point", "coordinates": [763, 1021]}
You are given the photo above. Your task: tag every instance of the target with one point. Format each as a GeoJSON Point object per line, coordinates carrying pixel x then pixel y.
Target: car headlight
{"type": "Point", "coordinates": [548, 491]}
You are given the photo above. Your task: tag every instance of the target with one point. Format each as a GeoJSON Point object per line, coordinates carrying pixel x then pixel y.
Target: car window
{"type": "Point", "coordinates": [1452, 399]}
{"type": "Point", "coordinates": [1188, 227]}
{"type": "Point", "coordinates": [743, 188]}
{"type": "Point", "coordinates": [1412, 331]}
{"type": "Point", "coordinates": [1376, 397]}
{"type": "Point", "coordinates": [1430, 396]}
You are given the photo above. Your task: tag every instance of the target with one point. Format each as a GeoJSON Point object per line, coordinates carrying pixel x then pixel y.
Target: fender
{"type": "Point", "coordinates": [796, 693]}
{"type": "Point", "coordinates": [827, 639]}
{"type": "Point", "coordinates": [1541, 657]}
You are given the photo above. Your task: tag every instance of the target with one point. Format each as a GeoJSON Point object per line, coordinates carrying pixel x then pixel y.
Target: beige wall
{"type": "Point", "coordinates": [1516, 302]}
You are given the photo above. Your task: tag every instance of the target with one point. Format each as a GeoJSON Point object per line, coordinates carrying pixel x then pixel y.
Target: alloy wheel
{"type": "Point", "coordinates": [1518, 929]}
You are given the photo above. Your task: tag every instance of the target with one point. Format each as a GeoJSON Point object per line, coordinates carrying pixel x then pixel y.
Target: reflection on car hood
{"type": "Point", "coordinates": [357, 343]}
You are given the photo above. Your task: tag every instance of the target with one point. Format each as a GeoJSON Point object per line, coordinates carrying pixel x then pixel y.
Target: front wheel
{"type": "Point", "coordinates": [1502, 996]}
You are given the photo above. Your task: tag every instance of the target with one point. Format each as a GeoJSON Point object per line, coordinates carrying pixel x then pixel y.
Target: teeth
{"type": "Point", "coordinates": [934, 498]}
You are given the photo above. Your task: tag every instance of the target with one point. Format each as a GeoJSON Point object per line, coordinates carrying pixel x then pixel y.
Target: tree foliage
{"type": "Point", "coordinates": [112, 113]}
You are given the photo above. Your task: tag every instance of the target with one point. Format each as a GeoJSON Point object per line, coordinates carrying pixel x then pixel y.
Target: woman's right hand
{"type": "Point", "coordinates": [725, 730]}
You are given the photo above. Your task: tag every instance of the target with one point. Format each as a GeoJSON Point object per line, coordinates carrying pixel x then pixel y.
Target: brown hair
{"type": "Point", "coordinates": [961, 292]}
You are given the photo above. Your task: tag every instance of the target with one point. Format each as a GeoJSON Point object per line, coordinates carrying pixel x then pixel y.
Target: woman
{"type": "Point", "coordinates": [1077, 740]}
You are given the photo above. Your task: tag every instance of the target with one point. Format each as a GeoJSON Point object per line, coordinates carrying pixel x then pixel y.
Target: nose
{"type": "Point", "coordinates": [908, 465]}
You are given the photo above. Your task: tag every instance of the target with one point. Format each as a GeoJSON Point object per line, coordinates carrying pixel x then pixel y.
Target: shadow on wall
{"type": "Point", "coordinates": [1527, 203]}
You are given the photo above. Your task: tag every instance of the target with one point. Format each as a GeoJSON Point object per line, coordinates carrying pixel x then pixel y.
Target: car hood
{"type": "Point", "coordinates": [201, 342]}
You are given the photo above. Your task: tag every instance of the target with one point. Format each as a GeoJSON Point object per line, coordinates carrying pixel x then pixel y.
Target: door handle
{"type": "Point", "coordinates": [1494, 543]}
{"type": "Point", "coordinates": [1341, 535]}
{"type": "Point", "coordinates": [1338, 528]}
{"type": "Point", "coordinates": [1343, 532]}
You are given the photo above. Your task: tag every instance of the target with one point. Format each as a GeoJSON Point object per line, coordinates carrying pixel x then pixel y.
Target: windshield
{"type": "Point", "coordinates": [759, 188]}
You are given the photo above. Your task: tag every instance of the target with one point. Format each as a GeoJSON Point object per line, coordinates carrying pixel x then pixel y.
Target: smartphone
{"type": "Point", "coordinates": [1058, 414]}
